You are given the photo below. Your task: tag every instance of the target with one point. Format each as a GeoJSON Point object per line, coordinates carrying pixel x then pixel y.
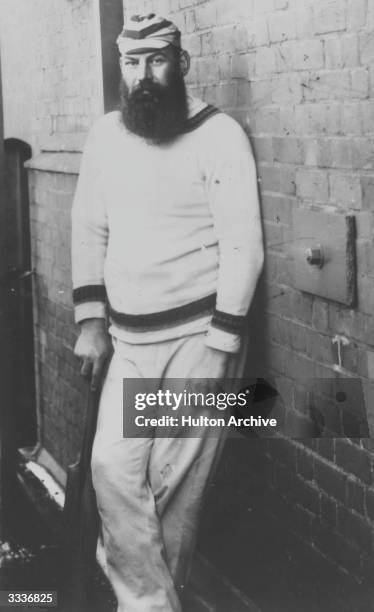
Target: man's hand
{"type": "Point", "coordinates": [93, 347]}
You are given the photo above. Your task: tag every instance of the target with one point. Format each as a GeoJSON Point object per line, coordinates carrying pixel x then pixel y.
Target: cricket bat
{"type": "Point", "coordinates": [80, 520]}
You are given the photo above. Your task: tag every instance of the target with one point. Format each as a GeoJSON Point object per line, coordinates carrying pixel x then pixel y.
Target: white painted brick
{"type": "Point", "coordinates": [329, 16]}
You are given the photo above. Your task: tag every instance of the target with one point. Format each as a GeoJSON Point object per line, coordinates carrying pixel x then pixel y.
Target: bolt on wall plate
{"type": "Point", "coordinates": [322, 248]}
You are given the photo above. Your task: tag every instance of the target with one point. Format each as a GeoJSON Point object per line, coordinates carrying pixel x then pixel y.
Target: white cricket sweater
{"type": "Point", "coordinates": [164, 234]}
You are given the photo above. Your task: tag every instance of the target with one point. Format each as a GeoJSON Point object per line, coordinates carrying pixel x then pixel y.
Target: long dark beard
{"type": "Point", "coordinates": [155, 112]}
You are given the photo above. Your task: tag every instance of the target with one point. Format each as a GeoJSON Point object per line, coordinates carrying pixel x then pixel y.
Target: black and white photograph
{"type": "Point", "coordinates": [187, 305]}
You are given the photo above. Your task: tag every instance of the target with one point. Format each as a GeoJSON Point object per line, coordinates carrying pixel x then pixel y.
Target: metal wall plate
{"type": "Point", "coordinates": [323, 251]}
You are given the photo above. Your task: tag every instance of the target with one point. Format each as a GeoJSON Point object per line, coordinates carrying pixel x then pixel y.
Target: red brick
{"type": "Point", "coordinates": [305, 463]}
{"type": "Point", "coordinates": [284, 452]}
{"type": "Point", "coordinates": [320, 315]}
{"type": "Point", "coordinates": [307, 496]}
{"type": "Point", "coordinates": [331, 481]}
{"type": "Point", "coordinates": [355, 496]}
{"type": "Point", "coordinates": [298, 367]}
{"type": "Point", "coordinates": [369, 503]}
{"type": "Point", "coordinates": [351, 323]}
{"type": "Point", "coordinates": [353, 460]}
{"type": "Point", "coordinates": [276, 357]}
{"type": "Point", "coordinates": [301, 307]}
{"type": "Point", "coordinates": [334, 545]}
{"type": "Point", "coordinates": [325, 447]}
{"type": "Point", "coordinates": [370, 364]}
{"type": "Point", "coordinates": [319, 347]}
{"type": "Point", "coordinates": [355, 529]}
{"type": "Point", "coordinates": [328, 510]}
{"type": "Point", "coordinates": [277, 300]}
{"type": "Point", "coordinates": [298, 425]}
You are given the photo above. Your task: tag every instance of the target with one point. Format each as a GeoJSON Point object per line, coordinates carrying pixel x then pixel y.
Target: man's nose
{"type": "Point", "coordinates": [143, 71]}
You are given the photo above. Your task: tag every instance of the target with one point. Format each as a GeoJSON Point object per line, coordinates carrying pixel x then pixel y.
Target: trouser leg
{"type": "Point", "coordinates": [149, 490]}
{"type": "Point", "coordinates": [133, 541]}
{"type": "Point", "coordinates": [180, 467]}
{"type": "Point", "coordinates": [179, 473]}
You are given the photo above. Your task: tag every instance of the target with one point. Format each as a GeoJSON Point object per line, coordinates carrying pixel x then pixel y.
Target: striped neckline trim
{"type": "Point", "coordinates": [194, 122]}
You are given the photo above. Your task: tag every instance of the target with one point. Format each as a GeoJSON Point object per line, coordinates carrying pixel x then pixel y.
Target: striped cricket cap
{"type": "Point", "coordinates": [146, 32]}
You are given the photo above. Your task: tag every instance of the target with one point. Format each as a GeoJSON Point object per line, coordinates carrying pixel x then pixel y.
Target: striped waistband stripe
{"type": "Point", "coordinates": [173, 316]}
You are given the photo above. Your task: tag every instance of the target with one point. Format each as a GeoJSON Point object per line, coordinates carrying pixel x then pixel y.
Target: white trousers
{"type": "Point", "coordinates": [150, 490]}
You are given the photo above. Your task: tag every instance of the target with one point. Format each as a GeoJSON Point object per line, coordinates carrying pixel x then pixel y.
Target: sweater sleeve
{"type": "Point", "coordinates": [231, 183]}
{"type": "Point", "coordinates": [89, 237]}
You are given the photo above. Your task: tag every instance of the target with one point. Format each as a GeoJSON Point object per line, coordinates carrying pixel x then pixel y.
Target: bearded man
{"type": "Point", "coordinates": [167, 245]}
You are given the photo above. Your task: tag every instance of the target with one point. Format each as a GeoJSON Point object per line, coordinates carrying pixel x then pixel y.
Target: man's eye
{"type": "Point", "coordinates": [130, 63]}
{"type": "Point", "coordinates": [158, 60]}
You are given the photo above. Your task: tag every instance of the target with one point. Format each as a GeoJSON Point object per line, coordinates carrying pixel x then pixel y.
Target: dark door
{"type": "Point", "coordinates": [19, 283]}
{"type": "Point", "coordinates": [18, 412]}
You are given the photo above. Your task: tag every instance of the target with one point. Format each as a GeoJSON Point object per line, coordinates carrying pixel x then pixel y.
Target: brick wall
{"type": "Point", "coordinates": [298, 75]}
{"type": "Point", "coordinates": [61, 391]}
{"type": "Point", "coordinates": [51, 81]}
{"type": "Point", "coordinates": [52, 85]}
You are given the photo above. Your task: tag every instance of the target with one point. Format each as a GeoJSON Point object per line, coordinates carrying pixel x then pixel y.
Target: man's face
{"type": "Point", "coordinates": [153, 94]}
{"type": "Point", "coordinates": [153, 66]}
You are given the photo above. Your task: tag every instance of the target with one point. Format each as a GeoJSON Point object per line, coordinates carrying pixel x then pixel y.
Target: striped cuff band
{"type": "Point", "coordinates": [89, 293]}
{"type": "Point", "coordinates": [227, 322]}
